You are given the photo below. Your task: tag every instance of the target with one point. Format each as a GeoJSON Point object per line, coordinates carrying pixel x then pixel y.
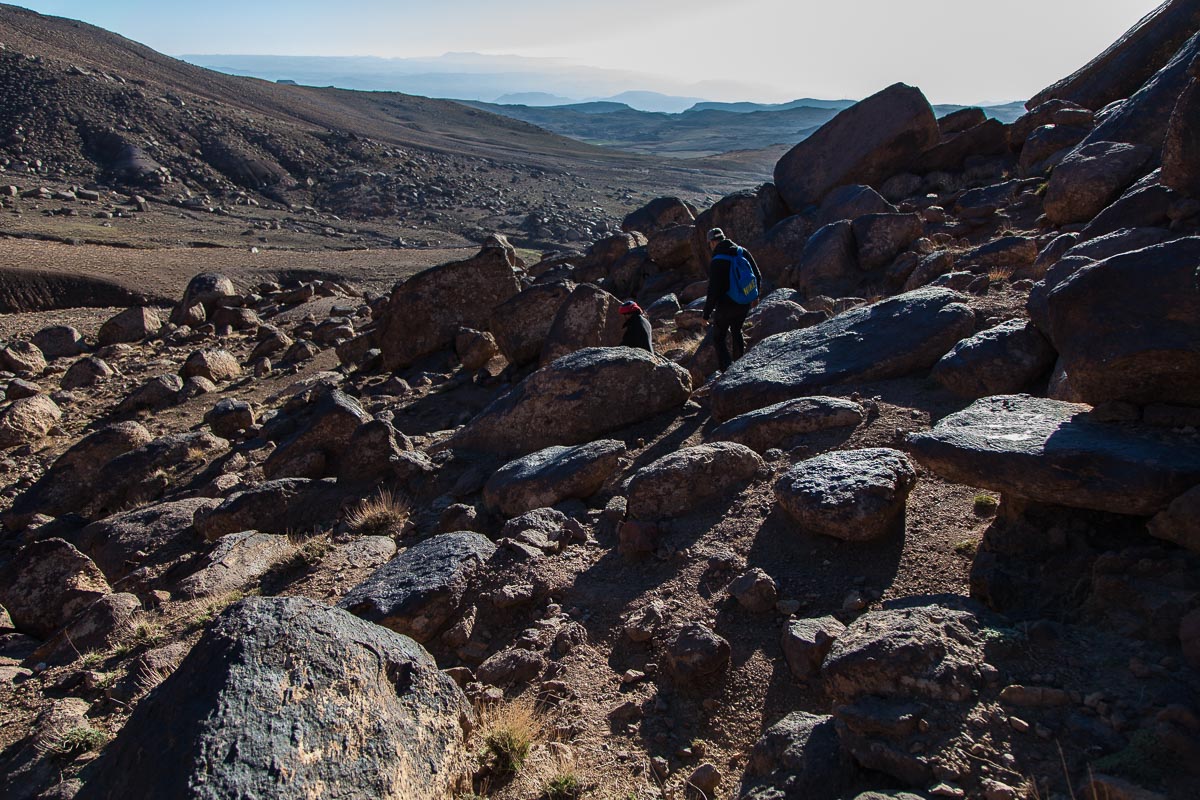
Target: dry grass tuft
{"type": "Point", "coordinates": [508, 732]}
{"type": "Point", "coordinates": [381, 515]}
{"type": "Point", "coordinates": [1000, 274]}
{"type": "Point", "coordinates": [77, 741]}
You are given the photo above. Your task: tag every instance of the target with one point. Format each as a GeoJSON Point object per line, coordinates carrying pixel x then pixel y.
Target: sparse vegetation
{"type": "Point", "coordinates": [985, 504]}
{"type": "Point", "coordinates": [381, 515]}
{"type": "Point", "coordinates": [78, 741]}
{"type": "Point", "coordinates": [1000, 274]}
{"type": "Point", "coordinates": [509, 731]}
{"type": "Point", "coordinates": [563, 786]}
{"type": "Point", "coordinates": [966, 547]}
{"type": "Point", "coordinates": [1145, 760]}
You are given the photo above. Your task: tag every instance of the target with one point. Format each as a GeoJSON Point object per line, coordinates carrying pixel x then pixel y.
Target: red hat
{"type": "Point", "coordinates": [629, 307]}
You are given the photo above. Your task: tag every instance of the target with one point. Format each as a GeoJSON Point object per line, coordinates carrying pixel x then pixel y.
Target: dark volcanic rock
{"type": "Point", "coordinates": [828, 264]}
{"type": "Point", "coordinates": [550, 476]}
{"type": "Point", "coordinates": [150, 536]}
{"type": "Point", "coordinates": [1128, 327]}
{"type": "Point", "coordinates": [1090, 178]}
{"type": "Point", "coordinates": [867, 143]}
{"type": "Point", "coordinates": [1001, 360]}
{"type": "Point", "coordinates": [1130, 61]}
{"type": "Point", "coordinates": [422, 590]}
{"type": "Point", "coordinates": [1181, 150]}
{"type": "Point", "coordinates": [853, 495]}
{"type": "Point", "coordinates": [657, 215]}
{"type": "Point", "coordinates": [696, 652]}
{"type": "Point", "coordinates": [47, 584]}
{"type": "Point", "coordinates": [426, 311]}
{"type": "Point", "coordinates": [131, 325]}
{"type": "Point", "coordinates": [1053, 452]}
{"type": "Point", "coordinates": [774, 425]}
{"type": "Point", "coordinates": [207, 289]}
{"type": "Point", "coordinates": [882, 237]}
{"type": "Point", "coordinates": [521, 323]}
{"type": "Point", "coordinates": [287, 505]}
{"type": "Point", "coordinates": [1143, 118]}
{"type": "Point", "coordinates": [798, 758]}
{"type": "Point", "coordinates": [319, 446]}
{"type": "Point", "coordinates": [680, 481]}
{"type": "Point", "coordinates": [576, 399]}
{"type": "Point", "coordinates": [275, 682]}
{"type": "Point", "coordinates": [71, 480]}
{"type": "Point", "coordinates": [895, 337]}
{"type": "Point", "coordinates": [588, 318]}
{"type": "Point", "coordinates": [59, 341]}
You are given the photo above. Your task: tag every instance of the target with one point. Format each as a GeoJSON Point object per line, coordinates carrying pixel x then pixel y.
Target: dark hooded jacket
{"type": "Point", "coordinates": [637, 332]}
{"type": "Point", "coordinates": [718, 277]}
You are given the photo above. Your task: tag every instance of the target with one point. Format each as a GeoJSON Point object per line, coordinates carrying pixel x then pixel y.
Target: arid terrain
{"type": "Point", "coordinates": [325, 473]}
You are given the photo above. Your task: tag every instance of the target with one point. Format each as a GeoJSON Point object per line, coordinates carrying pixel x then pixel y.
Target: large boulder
{"type": "Point", "coordinates": [1181, 150]}
{"type": "Point", "coordinates": [318, 447]}
{"type": "Point", "coordinates": [214, 364]}
{"type": "Point", "coordinates": [851, 202]}
{"type": "Point", "coordinates": [1001, 360]}
{"type": "Point", "coordinates": [588, 318]}
{"type": "Point", "coordinates": [59, 341]}
{"type": "Point", "coordinates": [148, 538]}
{"type": "Point", "coordinates": [1049, 451]}
{"type": "Point", "coordinates": [27, 420]}
{"type": "Point", "coordinates": [552, 475]}
{"type": "Point", "coordinates": [894, 337]}
{"type": "Point", "coordinates": [140, 475]}
{"type": "Point", "coordinates": [284, 697]}
{"type": "Point", "coordinates": [677, 483]}
{"type": "Point", "coordinates": [87, 371]}
{"type": "Point", "coordinates": [882, 237]}
{"type": "Point", "coordinates": [426, 311]}
{"type": "Point", "coordinates": [1143, 118]}
{"type": "Point", "coordinates": [798, 758]}
{"type": "Point", "coordinates": [131, 325]}
{"type": "Point", "coordinates": [867, 143]}
{"type": "Point", "coordinates": [657, 215]}
{"type": "Point", "coordinates": [576, 399]}
{"type": "Point", "coordinates": [23, 358]}
{"type": "Point", "coordinates": [775, 425]}
{"type": "Point", "coordinates": [48, 583]}
{"type": "Point", "coordinates": [156, 393]}
{"type": "Point", "coordinates": [100, 627]}
{"type": "Point", "coordinates": [988, 138]}
{"type": "Point", "coordinates": [744, 217]}
{"type": "Point", "coordinates": [287, 505]}
{"type": "Point", "coordinates": [1130, 61]}
{"type": "Point", "coordinates": [1127, 327]}
{"type": "Point", "coordinates": [1092, 177]}
{"type": "Point", "coordinates": [424, 588]}
{"type": "Point", "coordinates": [853, 495]}
{"type": "Point", "coordinates": [828, 264]}
{"type": "Point", "coordinates": [521, 323]}
{"type": "Point", "coordinates": [236, 562]}
{"type": "Point", "coordinates": [207, 290]}
{"type": "Point", "coordinates": [69, 483]}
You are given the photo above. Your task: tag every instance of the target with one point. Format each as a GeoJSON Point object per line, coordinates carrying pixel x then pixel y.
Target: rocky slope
{"type": "Point", "coordinates": [934, 535]}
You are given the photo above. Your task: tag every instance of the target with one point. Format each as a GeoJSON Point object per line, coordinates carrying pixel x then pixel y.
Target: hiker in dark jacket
{"type": "Point", "coordinates": [637, 327]}
{"type": "Point", "coordinates": [727, 314]}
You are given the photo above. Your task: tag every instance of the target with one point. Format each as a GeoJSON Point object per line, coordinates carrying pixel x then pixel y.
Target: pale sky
{"type": "Point", "coordinates": [955, 50]}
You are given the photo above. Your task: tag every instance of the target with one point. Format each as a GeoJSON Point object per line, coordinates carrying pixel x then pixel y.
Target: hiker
{"type": "Point", "coordinates": [733, 283]}
{"type": "Point", "coordinates": [637, 327]}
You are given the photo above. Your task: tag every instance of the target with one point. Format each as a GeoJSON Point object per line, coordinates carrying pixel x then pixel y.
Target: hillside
{"type": "Point", "coordinates": [87, 107]}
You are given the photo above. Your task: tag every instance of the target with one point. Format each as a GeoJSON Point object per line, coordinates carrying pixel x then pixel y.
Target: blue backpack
{"type": "Point", "coordinates": [743, 287]}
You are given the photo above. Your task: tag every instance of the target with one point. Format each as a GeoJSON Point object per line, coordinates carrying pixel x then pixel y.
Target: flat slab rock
{"type": "Point", "coordinates": [854, 495]}
{"type": "Point", "coordinates": [419, 591]}
{"type": "Point", "coordinates": [889, 339]}
{"type": "Point", "coordinates": [772, 426]}
{"type": "Point", "coordinates": [286, 698]}
{"type": "Point", "coordinates": [552, 475]}
{"type": "Point", "coordinates": [1049, 451]}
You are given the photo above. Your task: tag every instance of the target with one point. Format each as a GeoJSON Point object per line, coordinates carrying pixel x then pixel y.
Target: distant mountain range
{"type": "Point", "coordinates": [703, 129]}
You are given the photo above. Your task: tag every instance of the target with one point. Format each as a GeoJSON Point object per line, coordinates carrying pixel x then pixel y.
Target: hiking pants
{"type": "Point", "coordinates": [728, 319]}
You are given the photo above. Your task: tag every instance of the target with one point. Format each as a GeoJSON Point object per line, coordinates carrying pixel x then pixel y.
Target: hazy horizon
{"type": "Point", "coordinates": [956, 52]}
